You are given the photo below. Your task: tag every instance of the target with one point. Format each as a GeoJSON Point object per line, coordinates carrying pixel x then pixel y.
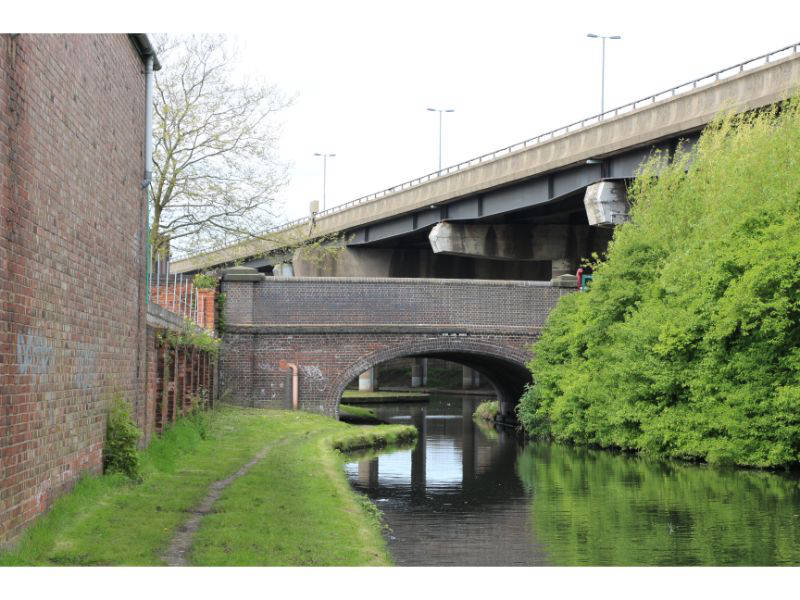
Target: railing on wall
{"type": "Point", "coordinates": [177, 293]}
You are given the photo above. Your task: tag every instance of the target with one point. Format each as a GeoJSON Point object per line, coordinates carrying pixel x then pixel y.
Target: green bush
{"type": "Point", "coordinates": [120, 451]}
{"type": "Point", "coordinates": [488, 410]}
{"type": "Point", "coordinates": [687, 343]}
{"type": "Point", "coordinates": [204, 282]}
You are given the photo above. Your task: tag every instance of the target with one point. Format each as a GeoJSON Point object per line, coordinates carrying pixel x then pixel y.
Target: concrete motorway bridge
{"type": "Point", "coordinates": [463, 264]}
{"type": "Point", "coordinates": [531, 211]}
{"type": "Point", "coordinates": [331, 330]}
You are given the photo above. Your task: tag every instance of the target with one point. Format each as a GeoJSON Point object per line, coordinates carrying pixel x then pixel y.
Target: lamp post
{"type": "Point", "coordinates": [603, 72]}
{"type": "Point", "coordinates": [440, 111]}
{"type": "Point", "coordinates": [325, 158]}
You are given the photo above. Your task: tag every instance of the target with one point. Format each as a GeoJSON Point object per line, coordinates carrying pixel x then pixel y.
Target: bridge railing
{"type": "Point", "coordinates": [553, 133]}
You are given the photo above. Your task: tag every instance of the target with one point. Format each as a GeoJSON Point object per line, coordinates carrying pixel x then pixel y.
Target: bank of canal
{"type": "Point", "coordinates": [470, 495]}
{"type": "Point", "coordinates": [290, 506]}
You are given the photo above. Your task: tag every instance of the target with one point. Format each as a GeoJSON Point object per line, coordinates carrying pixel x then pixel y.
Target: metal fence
{"type": "Point", "coordinates": [176, 292]}
{"type": "Point", "coordinates": [549, 135]}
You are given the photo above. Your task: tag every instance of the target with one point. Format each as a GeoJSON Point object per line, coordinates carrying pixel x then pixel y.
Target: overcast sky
{"type": "Point", "coordinates": [363, 76]}
{"type": "Point", "coordinates": [363, 73]}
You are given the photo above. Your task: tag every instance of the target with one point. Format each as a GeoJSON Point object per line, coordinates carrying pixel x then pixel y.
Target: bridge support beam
{"type": "Point", "coordinates": [368, 380]}
{"type": "Point", "coordinates": [563, 245]}
{"type": "Point", "coordinates": [500, 242]}
{"type": "Point", "coordinates": [606, 203]}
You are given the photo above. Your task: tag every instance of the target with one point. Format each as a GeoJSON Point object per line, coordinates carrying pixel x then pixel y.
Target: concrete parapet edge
{"type": "Point", "coordinates": [338, 328]}
{"type": "Point", "coordinates": [410, 280]}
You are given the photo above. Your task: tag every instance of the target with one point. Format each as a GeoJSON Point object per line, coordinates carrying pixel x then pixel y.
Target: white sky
{"type": "Point", "coordinates": [363, 73]}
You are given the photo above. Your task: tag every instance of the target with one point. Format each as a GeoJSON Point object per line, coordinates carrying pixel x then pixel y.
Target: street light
{"type": "Point", "coordinates": [325, 158]}
{"type": "Point", "coordinates": [440, 111]}
{"type": "Point", "coordinates": [603, 73]}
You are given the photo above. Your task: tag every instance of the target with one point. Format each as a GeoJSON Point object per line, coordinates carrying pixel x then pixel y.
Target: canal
{"type": "Point", "coordinates": [470, 495]}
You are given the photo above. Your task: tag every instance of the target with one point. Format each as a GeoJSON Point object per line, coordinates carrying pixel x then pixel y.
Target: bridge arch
{"type": "Point", "coordinates": [503, 366]}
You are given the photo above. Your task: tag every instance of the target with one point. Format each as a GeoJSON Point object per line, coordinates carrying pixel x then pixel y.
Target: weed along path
{"type": "Point", "coordinates": [234, 486]}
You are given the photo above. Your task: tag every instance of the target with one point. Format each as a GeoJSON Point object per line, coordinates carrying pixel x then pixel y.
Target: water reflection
{"type": "Point", "coordinates": [469, 495]}
{"type": "Point", "coordinates": [454, 499]}
{"type": "Point", "coordinates": [592, 507]}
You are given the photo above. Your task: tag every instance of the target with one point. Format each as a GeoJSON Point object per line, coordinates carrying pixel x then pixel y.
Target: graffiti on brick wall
{"type": "Point", "coordinates": [34, 354]}
{"type": "Point", "coordinates": [85, 366]}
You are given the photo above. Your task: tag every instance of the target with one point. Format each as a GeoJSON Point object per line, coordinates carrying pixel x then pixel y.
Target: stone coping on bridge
{"type": "Point", "coordinates": [685, 112]}
{"type": "Point", "coordinates": [454, 330]}
{"type": "Point", "coordinates": [410, 280]}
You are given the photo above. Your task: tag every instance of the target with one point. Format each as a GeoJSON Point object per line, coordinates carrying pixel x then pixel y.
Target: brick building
{"type": "Point", "coordinates": [73, 327]}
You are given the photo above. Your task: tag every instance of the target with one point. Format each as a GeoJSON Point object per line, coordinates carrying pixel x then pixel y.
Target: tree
{"type": "Point", "coordinates": [215, 168]}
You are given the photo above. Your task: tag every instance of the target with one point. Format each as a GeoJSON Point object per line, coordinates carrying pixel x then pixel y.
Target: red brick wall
{"type": "Point", "coordinates": [72, 324]}
{"type": "Point", "coordinates": [336, 328]}
{"type": "Point", "coordinates": [329, 358]}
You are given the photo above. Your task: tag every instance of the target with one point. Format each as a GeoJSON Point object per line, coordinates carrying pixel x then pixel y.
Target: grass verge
{"type": "Point", "coordinates": [300, 490]}
{"type": "Point", "coordinates": [357, 396]}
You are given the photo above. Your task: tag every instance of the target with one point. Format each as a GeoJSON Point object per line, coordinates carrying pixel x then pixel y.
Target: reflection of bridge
{"type": "Point", "coordinates": [482, 465]}
{"type": "Point", "coordinates": [468, 507]}
{"type": "Point", "coordinates": [334, 329]}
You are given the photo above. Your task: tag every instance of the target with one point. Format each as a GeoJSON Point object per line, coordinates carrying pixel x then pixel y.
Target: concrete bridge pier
{"type": "Point", "coordinates": [470, 378]}
{"type": "Point", "coordinates": [419, 372]}
{"type": "Point", "coordinates": [368, 380]}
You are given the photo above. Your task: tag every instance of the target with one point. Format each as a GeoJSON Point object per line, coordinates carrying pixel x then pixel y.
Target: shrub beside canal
{"type": "Point", "coordinates": [687, 343]}
{"type": "Point", "coordinates": [488, 410]}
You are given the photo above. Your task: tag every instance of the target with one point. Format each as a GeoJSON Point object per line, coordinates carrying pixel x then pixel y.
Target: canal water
{"type": "Point", "coordinates": [470, 495]}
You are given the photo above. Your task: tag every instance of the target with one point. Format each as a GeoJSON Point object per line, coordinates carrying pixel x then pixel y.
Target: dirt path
{"type": "Point", "coordinates": [176, 555]}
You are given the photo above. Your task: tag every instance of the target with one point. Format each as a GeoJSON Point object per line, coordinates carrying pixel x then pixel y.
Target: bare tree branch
{"type": "Point", "coordinates": [215, 167]}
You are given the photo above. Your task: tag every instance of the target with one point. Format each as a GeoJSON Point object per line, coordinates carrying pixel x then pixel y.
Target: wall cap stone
{"type": "Point", "coordinates": [338, 328]}
{"type": "Point", "coordinates": [566, 280]}
{"type": "Point", "coordinates": [243, 274]}
{"type": "Point", "coordinates": [413, 281]}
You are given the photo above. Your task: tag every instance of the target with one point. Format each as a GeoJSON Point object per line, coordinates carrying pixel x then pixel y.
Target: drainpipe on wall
{"type": "Point", "coordinates": [283, 365]}
{"type": "Point", "coordinates": [148, 160]}
{"type": "Point", "coordinates": [145, 49]}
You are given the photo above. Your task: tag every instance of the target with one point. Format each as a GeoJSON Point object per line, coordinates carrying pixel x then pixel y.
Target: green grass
{"type": "Point", "coordinates": [357, 411]}
{"type": "Point", "coordinates": [300, 489]}
{"type": "Point", "coordinates": [487, 410]}
{"type": "Point", "coordinates": [360, 394]}
{"type": "Point", "coordinates": [296, 506]}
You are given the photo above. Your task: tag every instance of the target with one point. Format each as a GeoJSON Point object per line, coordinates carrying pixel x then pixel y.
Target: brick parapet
{"type": "Point", "coordinates": [398, 301]}
{"type": "Point", "coordinates": [336, 328]}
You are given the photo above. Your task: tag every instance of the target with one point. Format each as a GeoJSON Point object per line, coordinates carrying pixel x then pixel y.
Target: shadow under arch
{"type": "Point", "coordinates": [502, 366]}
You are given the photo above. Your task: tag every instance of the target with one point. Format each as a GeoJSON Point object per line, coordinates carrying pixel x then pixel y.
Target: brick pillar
{"type": "Point", "coordinates": [209, 369]}
{"type": "Point", "coordinates": [165, 385]}
{"type": "Point", "coordinates": [176, 394]}
{"type": "Point", "coordinates": [192, 378]}
{"type": "Point", "coordinates": [184, 386]}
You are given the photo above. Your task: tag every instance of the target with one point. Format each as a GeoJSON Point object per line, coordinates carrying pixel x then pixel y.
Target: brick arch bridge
{"type": "Point", "coordinates": [333, 329]}
{"type": "Point", "coordinates": [499, 358]}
